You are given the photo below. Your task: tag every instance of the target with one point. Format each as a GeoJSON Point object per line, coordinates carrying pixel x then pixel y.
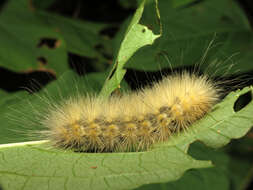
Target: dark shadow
{"type": "Point", "coordinates": [109, 31]}
{"type": "Point", "coordinates": [11, 81]}
{"type": "Point", "coordinates": [96, 10]}
{"type": "Point", "coordinates": [2, 4]}
{"type": "Point", "coordinates": [80, 64]}
{"type": "Point", "coordinates": [247, 5]}
{"type": "Point", "coordinates": [243, 101]}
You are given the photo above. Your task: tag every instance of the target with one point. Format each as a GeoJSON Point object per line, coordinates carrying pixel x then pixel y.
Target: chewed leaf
{"type": "Point", "coordinates": [47, 38]}
{"type": "Point", "coordinates": [35, 165]}
{"type": "Point", "coordinates": [24, 47]}
{"type": "Point", "coordinates": [136, 36]}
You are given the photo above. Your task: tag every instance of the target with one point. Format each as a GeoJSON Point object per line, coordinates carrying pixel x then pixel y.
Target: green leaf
{"type": "Point", "coordinates": [21, 32]}
{"type": "Point", "coordinates": [180, 3]}
{"type": "Point", "coordinates": [136, 36]}
{"type": "Point", "coordinates": [34, 164]}
{"type": "Point", "coordinates": [42, 4]}
{"type": "Point", "coordinates": [29, 166]}
{"type": "Point", "coordinates": [200, 179]}
{"type": "Point", "coordinates": [81, 37]}
{"type": "Point", "coordinates": [241, 172]}
{"type": "Point", "coordinates": [188, 31]}
{"type": "Point", "coordinates": [233, 172]}
{"type": "Point", "coordinates": [3, 94]}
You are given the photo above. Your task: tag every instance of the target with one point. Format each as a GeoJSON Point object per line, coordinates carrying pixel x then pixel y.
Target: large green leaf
{"type": "Point", "coordinates": [34, 164]}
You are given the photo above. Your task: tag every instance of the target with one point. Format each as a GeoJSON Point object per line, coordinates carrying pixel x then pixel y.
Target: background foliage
{"type": "Point", "coordinates": [53, 44]}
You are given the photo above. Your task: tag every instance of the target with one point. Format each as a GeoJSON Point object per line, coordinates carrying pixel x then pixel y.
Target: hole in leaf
{"type": "Point", "coordinates": [112, 73]}
{"type": "Point", "coordinates": [243, 101]}
{"type": "Point", "coordinates": [51, 43]}
{"type": "Point", "coordinates": [42, 60]}
{"type": "Point", "coordinates": [143, 30]}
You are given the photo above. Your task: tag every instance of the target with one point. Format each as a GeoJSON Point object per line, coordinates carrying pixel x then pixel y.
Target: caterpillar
{"type": "Point", "coordinates": [134, 121]}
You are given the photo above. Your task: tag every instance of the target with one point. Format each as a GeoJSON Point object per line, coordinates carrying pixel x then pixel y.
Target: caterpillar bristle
{"type": "Point", "coordinates": [134, 121]}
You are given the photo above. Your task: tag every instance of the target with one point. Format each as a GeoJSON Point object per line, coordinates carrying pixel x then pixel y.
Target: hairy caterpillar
{"type": "Point", "coordinates": [134, 121]}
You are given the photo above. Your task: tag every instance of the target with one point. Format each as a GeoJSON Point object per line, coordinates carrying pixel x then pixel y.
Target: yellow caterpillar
{"type": "Point", "coordinates": [133, 121]}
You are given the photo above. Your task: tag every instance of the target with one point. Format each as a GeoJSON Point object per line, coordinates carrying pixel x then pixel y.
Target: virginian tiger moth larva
{"type": "Point", "coordinates": [133, 121]}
